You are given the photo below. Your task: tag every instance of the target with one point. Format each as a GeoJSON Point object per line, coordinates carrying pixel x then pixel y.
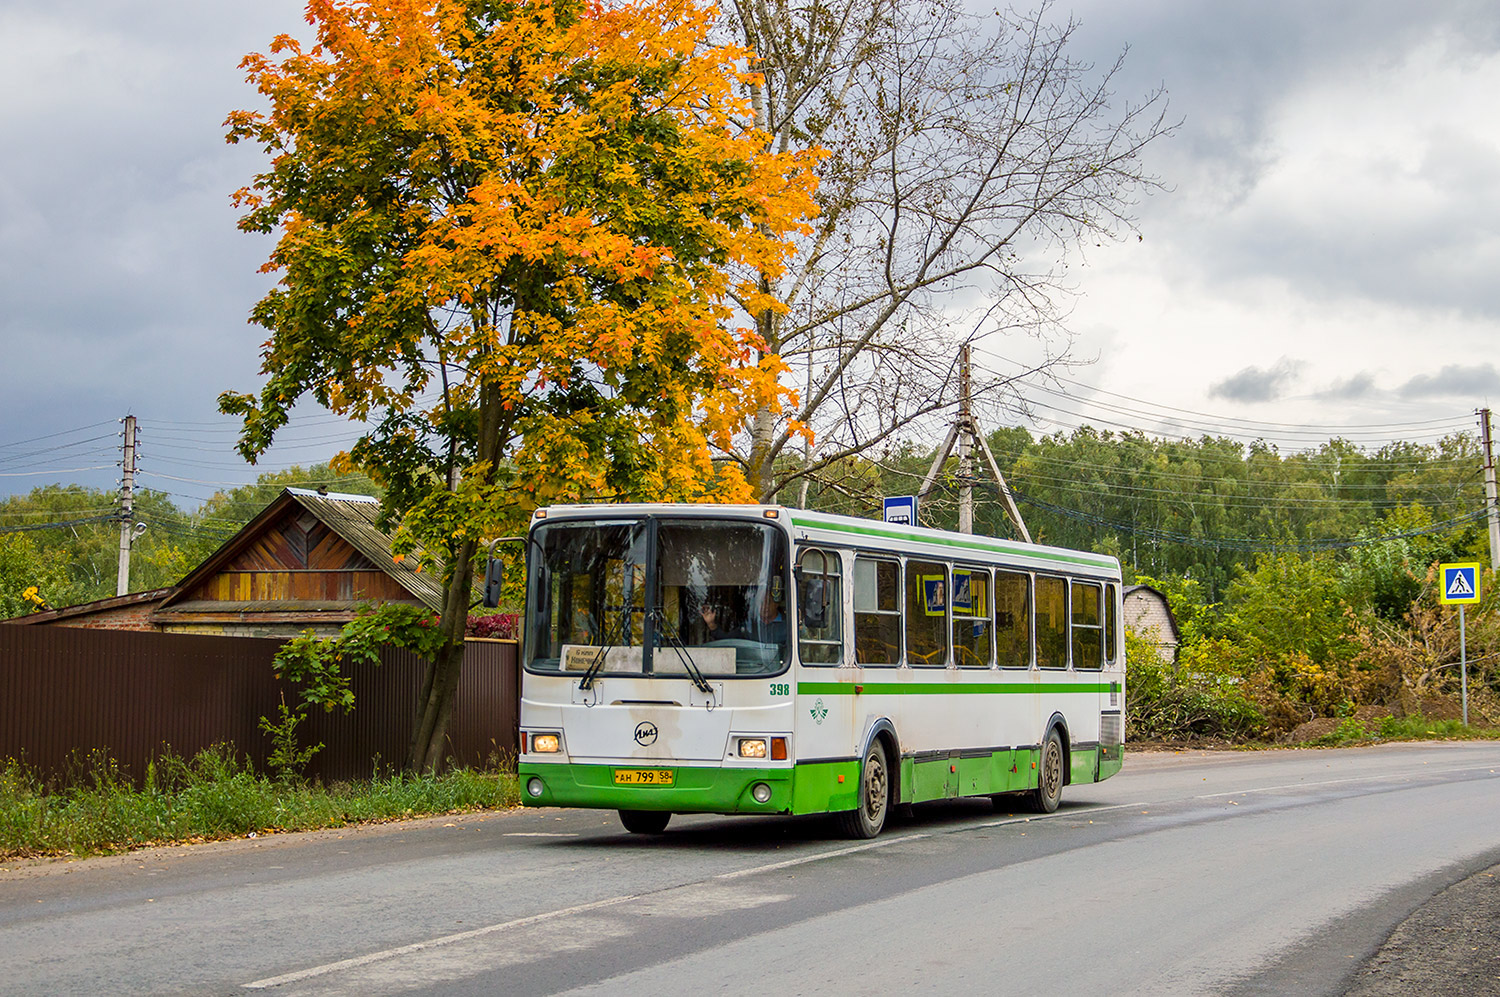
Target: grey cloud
{"type": "Point", "coordinates": [1453, 381]}
{"type": "Point", "coordinates": [1359, 387]}
{"type": "Point", "coordinates": [1255, 384]}
{"type": "Point", "coordinates": [1229, 68]}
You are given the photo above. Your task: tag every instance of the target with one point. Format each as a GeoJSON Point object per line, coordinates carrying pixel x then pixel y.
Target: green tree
{"type": "Point", "coordinates": [506, 231]}
{"type": "Point", "coordinates": [24, 566]}
{"type": "Point", "coordinates": [84, 540]}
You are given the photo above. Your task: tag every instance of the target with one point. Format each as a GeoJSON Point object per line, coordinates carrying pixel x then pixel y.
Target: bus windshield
{"type": "Point", "coordinates": [668, 596]}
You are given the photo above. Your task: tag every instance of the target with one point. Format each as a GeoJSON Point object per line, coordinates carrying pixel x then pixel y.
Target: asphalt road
{"type": "Point", "coordinates": [1233, 873]}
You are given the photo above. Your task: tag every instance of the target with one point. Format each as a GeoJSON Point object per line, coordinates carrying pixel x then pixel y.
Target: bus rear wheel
{"type": "Point", "coordinates": [1049, 777]}
{"type": "Point", "coordinates": [874, 796]}
{"type": "Point", "coordinates": [645, 821]}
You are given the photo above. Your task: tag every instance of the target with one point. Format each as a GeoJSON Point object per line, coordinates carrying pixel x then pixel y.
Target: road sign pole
{"type": "Point", "coordinates": [1463, 662]}
{"type": "Point", "coordinates": [1460, 586]}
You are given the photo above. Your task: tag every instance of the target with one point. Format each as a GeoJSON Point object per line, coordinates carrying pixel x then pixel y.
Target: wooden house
{"type": "Point", "coordinates": [309, 561]}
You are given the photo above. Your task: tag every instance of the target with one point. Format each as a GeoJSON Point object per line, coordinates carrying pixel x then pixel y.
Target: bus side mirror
{"type": "Point", "coordinates": [494, 579]}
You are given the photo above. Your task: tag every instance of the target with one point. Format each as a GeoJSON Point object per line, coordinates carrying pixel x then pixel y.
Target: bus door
{"type": "Point", "coordinates": [1112, 693]}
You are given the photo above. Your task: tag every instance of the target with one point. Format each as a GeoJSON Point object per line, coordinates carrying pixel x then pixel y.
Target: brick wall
{"type": "Point", "coordinates": [1146, 614]}
{"type": "Point", "coordinates": [136, 617]}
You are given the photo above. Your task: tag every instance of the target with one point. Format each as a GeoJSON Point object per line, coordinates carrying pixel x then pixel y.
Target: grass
{"type": "Point", "coordinates": [1352, 731]}
{"type": "Point", "coordinates": [213, 795]}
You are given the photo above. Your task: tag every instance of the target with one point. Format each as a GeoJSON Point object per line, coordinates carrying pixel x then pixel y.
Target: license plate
{"type": "Point", "coordinates": [643, 777]}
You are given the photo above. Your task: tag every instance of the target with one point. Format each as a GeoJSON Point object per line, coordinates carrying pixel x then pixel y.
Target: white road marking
{"type": "Point", "coordinates": [880, 843]}
{"type": "Point", "coordinates": [1382, 777]}
{"type": "Point", "coordinates": [365, 960]}
{"type": "Point", "coordinates": [463, 936]}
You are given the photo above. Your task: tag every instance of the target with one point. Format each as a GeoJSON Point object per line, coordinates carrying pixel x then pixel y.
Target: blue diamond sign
{"type": "Point", "coordinates": [1460, 583]}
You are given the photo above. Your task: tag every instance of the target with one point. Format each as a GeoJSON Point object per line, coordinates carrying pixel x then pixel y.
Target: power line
{"type": "Point", "coordinates": [61, 524]}
{"type": "Point", "coordinates": [1190, 428]}
{"type": "Point", "coordinates": [55, 470]}
{"type": "Point", "coordinates": [1329, 429]}
{"type": "Point", "coordinates": [52, 436]}
{"type": "Point", "coordinates": [1250, 544]}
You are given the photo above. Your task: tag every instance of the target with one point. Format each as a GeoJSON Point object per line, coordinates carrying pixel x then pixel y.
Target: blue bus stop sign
{"type": "Point", "coordinates": [1460, 583]}
{"type": "Point", "coordinates": [901, 509]}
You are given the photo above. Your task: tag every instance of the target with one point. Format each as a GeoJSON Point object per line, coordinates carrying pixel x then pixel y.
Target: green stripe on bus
{"type": "Point", "coordinates": [993, 546]}
{"type": "Point", "coordinates": [944, 688]}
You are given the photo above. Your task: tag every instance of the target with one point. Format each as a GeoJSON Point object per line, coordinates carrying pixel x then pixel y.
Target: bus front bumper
{"type": "Point", "coordinates": [693, 789]}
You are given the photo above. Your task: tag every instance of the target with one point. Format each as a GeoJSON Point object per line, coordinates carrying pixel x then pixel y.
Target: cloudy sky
{"type": "Point", "coordinates": [1323, 260]}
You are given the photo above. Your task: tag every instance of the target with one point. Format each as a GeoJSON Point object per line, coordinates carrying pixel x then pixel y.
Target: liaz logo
{"type": "Point", "coordinates": [645, 733]}
{"type": "Point", "coordinates": [819, 711]}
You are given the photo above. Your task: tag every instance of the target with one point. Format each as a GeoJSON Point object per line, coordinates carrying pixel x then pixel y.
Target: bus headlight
{"type": "Point", "coordinates": [546, 743]}
{"type": "Point", "coordinates": [753, 747]}
{"type": "Point", "coordinates": [534, 786]}
{"type": "Point", "coordinates": [761, 792]}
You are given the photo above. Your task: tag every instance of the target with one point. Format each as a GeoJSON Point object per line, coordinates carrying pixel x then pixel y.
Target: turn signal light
{"type": "Point", "coordinates": [778, 748]}
{"type": "Point", "coordinates": [546, 743]}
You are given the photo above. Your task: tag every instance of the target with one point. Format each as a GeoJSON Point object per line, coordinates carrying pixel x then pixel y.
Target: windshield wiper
{"type": "Point", "coordinates": [611, 641]}
{"type": "Point", "coordinates": [683, 654]}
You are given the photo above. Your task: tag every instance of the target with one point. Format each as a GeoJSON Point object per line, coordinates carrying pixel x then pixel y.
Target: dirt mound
{"type": "Point", "coordinates": [1318, 727]}
{"type": "Point", "coordinates": [1440, 707]}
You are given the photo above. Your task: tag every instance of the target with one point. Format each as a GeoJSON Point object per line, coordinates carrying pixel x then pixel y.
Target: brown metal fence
{"type": "Point", "coordinates": [65, 692]}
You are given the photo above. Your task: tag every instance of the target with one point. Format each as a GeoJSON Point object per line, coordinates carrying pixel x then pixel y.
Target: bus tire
{"type": "Point", "coordinates": [1049, 776]}
{"type": "Point", "coordinates": [874, 795]}
{"type": "Point", "coordinates": [645, 821]}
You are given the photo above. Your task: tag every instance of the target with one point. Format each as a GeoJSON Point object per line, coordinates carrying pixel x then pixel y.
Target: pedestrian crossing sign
{"type": "Point", "coordinates": [1460, 583]}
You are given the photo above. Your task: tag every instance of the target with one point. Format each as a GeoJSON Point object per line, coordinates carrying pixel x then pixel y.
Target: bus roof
{"type": "Point", "coordinates": [868, 534]}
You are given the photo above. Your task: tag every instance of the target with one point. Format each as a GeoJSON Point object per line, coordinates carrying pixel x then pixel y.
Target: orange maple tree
{"type": "Point", "coordinates": [508, 230]}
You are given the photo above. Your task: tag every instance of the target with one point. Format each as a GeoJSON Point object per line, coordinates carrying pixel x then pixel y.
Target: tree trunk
{"type": "Point", "coordinates": [439, 688]}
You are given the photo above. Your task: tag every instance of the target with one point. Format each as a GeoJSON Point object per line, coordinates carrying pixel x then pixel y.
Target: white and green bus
{"type": "Point", "coordinates": [767, 660]}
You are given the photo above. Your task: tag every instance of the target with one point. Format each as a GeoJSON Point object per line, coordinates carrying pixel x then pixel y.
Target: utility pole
{"type": "Point", "coordinates": [965, 465]}
{"type": "Point", "coordinates": [127, 506]}
{"type": "Point", "coordinates": [1490, 489]}
{"type": "Point", "coordinates": [966, 432]}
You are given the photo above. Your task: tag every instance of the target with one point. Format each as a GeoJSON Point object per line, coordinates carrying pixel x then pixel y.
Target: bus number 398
{"type": "Point", "coordinates": [780, 689]}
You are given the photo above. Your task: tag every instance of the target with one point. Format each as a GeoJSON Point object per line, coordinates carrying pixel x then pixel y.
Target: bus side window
{"type": "Point", "coordinates": [1111, 624]}
{"type": "Point", "coordinates": [820, 608]}
{"type": "Point", "coordinates": [877, 612]}
{"type": "Point", "coordinates": [1013, 619]}
{"type": "Point", "coordinates": [1051, 622]}
{"type": "Point", "coordinates": [927, 614]}
{"type": "Point", "coordinates": [1088, 630]}
{"type": "Point", "coordinates": [971, 617]}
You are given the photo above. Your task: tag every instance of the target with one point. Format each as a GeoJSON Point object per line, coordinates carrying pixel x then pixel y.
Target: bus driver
{"type": "Point", "coordinates": [768, 628]}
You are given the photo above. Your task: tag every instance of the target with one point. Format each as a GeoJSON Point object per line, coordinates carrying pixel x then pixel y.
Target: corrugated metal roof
{"type": "Point", "coordinates": [354, 517]}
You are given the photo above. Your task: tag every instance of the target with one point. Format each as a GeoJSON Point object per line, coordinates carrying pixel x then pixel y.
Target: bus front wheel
{"type": "Point", "coordinates": [645, 821]}
{"type": "Point", "coordinates": [874, 796]}
{"type": "Point", "coordinates": [1049, 777]}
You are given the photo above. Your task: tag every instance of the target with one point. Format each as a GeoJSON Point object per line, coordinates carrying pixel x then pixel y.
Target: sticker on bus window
{"type": "Point", "coordinates": [963, 593]}
{"type": "Point", "coordinates": [933, 594]}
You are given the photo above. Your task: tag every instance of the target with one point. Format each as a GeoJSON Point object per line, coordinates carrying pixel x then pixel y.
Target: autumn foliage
{"type": "Point", "coordinates": [506, 239]}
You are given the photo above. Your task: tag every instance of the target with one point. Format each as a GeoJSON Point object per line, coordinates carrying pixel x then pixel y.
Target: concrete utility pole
{"type": "Point", "coordinates": [1490, 489]}
{"type": "Point", "coordinates": [966, 431]}
{"type": "Point", "coordinates": [127, 506]}
{"type": "Point", "coordinates": [965, 465]}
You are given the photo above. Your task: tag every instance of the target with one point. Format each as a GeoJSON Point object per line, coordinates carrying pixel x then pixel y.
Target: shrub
{"type": "Point", "coordinates": [501, 625]}
{"type": "Point", "coordinates": [1166, 702]}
